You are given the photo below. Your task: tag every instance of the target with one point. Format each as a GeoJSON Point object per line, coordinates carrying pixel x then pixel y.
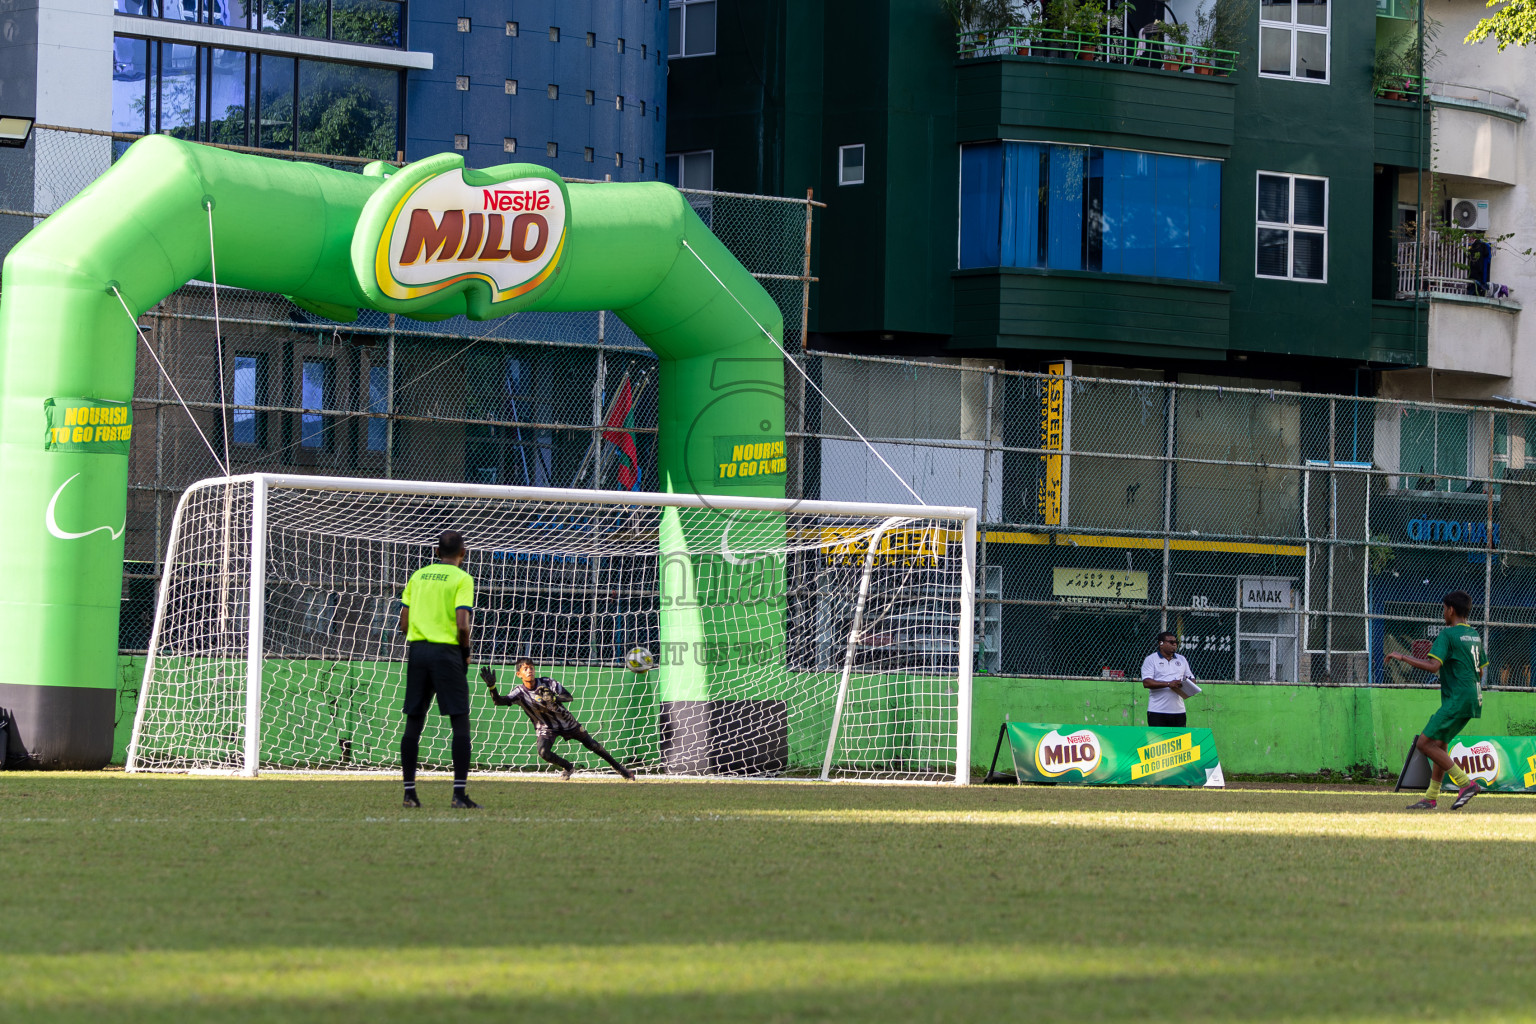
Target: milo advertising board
{"type": "Point", "coordinates": [1503, 764]}
{"type": "Point", "coordinates": [1114, 755]}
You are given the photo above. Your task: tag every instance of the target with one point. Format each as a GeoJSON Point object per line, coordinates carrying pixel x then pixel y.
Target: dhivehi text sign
{"type": "Point", "coordinates": [1114, 755]}
{"type": "Point", "coordinates": [1099, 584]}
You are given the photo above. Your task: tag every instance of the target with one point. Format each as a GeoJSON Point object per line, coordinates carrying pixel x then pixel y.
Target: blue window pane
{"type": "Point", "coordinates": [178, 89]}
{"type": "Point", "coordinates": [274, 127]}
{"type": "Point", "coordinates": [312, 428]}
{"type": "Point", "coordinates": [1020, 243]}
{"type": "Point", "coordinates": [375, 22]}
{"type": "Point", "coordinates": [280, 16]}
{"type": "Point", "coordinates": [243, 428]}
{"type": "Point", "coordinates": [378, 402]}
{"type": "Point", "coordinates": [230, 13]}
{"type": "Point", "coordinates": [981, 173]}
{"type": "Point", "coordinates": [1112, 217]}
{"type": "Point", "coordinates": [1139, 238]}
{"type": "Point", "coordinates": [227, 98]}
{"type": "Point", "coordinates": [130, 80]}
{"type": "Point", "coordinates": [1068, 174]}
{"type": "Point", "coordinates": [348, 110]}
{"type": "Point", "coordinates": [1171, 258]}
{"type": "Point", "coordinates": [1205, 221]}
{"type": "Point", "coordinates": [1074, 208]}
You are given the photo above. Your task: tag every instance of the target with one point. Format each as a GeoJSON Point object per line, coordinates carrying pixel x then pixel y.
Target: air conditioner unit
{"type": "Point", "coordinates": [1469, 214]}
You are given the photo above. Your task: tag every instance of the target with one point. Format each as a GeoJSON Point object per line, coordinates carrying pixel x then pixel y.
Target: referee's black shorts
{"type": "Point", "coordinates": [436, 668]}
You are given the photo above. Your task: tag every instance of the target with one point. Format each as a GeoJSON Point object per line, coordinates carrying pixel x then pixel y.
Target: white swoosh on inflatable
{"type": "Point", "coordinates": [725, 549]}
{"type": "Point", "coordinates": [53, 524]}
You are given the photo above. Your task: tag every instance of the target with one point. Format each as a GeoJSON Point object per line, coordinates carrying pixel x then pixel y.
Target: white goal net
{"type": "Point", "coordinates": [813, 639]}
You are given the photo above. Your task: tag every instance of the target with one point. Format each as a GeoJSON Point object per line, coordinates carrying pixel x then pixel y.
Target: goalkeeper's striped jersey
{"type": "Point", "coordinates": [544, 705]}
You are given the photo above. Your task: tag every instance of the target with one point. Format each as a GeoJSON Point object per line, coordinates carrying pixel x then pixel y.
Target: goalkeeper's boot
{"type": "Point", "coordinates": [628, 774]}
{"type": "Point", "coordinates": [463, 800]}
{"type": "Point", "coordinates": [410, 800]}
{"type": "Point", "coordinates": [1466, 793]}
{"type": "Point", "coordinates": [565, 773]}
{"type": "Point", "coordinates": [1423, 805]}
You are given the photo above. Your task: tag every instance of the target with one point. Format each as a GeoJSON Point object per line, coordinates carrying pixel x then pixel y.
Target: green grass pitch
{"type": "Point", "coordinates": [126, 899]}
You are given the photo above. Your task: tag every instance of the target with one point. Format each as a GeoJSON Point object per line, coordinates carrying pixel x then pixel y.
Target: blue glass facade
{"type": "Point", "coordinates": [575, 85]}
{"type": "Point", "coordinates": [606, 60]}
{"type": "Point", "coordinates": [1027, 204]}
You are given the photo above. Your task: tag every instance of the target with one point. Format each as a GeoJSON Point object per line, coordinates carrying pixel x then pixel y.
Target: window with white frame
{"type": "Point", "coordinates": [692, 170]}
{"type": "Point", "coordinates": [1292, 240]}
{"type": "Point", "coordinates": [690, 28]}
{"type": "Point", "coordinates": [850, 164]}
{"type": "Point", "coordinates": [1293, 39]}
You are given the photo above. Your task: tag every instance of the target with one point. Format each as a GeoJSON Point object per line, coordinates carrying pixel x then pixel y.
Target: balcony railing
{"type": "Point", "coordinates": [1442, 266]}
{"type": "Point", "coordinates": [1104, 48]}
{"type": "Point", "coordinates": [1480, 96]}
{"type": "Point", "coordinates": [1401, 87]}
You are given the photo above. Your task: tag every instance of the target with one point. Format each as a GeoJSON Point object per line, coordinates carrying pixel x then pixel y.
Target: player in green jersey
{"type": "Point", "coordinates": [1457, 657]}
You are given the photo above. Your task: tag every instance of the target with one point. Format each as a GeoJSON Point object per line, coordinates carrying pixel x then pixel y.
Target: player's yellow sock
{"type": "Point", "coordinates": [1434, 789]}
{"type": "Point", "coordinates": [1456, 775]}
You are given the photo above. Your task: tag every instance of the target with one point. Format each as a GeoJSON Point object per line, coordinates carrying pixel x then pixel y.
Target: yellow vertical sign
{"type": "Point", "coordinates": [1053, 433]}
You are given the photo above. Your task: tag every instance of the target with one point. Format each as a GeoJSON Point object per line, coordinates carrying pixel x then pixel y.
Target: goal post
{"type": "Point", "coordinates": [793, 638]}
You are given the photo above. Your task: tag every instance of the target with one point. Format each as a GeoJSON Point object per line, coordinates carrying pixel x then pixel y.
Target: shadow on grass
{"type": "Point", "coordinates": [319, 900]}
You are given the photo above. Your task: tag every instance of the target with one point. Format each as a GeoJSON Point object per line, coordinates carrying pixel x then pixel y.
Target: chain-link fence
{"type": "Point", "coordinates": [1286, 537]}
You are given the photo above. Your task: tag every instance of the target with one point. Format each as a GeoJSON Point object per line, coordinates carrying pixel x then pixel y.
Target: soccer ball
{"type": "Point", "coordinates": [640, 660]}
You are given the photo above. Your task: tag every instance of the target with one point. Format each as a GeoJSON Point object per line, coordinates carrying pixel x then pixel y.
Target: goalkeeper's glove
{"type": "Point", "coordinates": [488, 676]}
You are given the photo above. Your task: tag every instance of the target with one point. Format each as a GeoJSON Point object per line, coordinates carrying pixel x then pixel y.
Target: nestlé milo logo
{"type": "Point", "coordinates": [1057, 754]}
{"type": "Point", "coordinates": [1480, 761]}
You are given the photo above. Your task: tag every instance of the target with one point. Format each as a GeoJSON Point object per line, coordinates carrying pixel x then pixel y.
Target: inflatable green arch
{"type": "Point", "coordinates": [429, 240]}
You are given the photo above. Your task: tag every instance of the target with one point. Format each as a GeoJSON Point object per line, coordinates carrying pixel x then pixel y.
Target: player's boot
{"type": "Point", "coordinates": [1423, 805]}
{"type": "Point", "coordinates": [628, 774]}
{"type": "Point", "coordinates": [565, 773]}
{"type": "Point", "coordinates": [410, 800]}
{"type": "Point", "coordinates": [463, 801]}
{"type": "Point", "coordinates": [1465, 793]}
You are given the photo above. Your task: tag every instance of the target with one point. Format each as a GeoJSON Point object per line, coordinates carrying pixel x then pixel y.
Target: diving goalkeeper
{"type": "Point", "coordinates": [544, 702]}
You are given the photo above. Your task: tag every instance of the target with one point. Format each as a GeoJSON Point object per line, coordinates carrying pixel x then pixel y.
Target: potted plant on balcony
{"type": "Point", "coordinates": [1084, 27]}
{"type": "Point", "coordinates": [1175, 45]}
{"type": "Point", "coordinates": [1027, 23]}
{"type": "Point", "coordinates": [1221, 35]}
{"type": "Point", "coordinates": [989, 27]}
{"type": "Point", "coordinates": [1394, 68]}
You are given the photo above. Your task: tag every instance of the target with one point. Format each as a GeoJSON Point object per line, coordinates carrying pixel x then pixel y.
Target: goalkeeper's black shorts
{"type": "Point", "coordinates": [436, 668]}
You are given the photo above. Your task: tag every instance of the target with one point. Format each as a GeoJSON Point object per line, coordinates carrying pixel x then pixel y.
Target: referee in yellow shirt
{"type": "Point", "coordinates": [435, 618]}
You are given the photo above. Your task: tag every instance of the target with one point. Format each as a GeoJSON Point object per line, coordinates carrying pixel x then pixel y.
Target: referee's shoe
{"type": "Point", "coordinates": [462, 800]}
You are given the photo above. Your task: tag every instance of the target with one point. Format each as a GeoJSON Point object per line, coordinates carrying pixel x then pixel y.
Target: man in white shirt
{"type": "Point", "coordinates": [1163, 672]}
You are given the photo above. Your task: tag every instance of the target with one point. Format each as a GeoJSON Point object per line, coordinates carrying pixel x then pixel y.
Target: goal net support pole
{"type": "Point", "coordinates": [257, 635]}
{"type": "Point", "coordinates": [852, 650]}
{"type": "Point", "coordinates": [762, 585]}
